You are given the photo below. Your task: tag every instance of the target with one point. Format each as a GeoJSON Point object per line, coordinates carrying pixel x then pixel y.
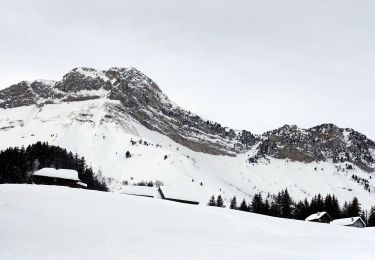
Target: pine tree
{"type": "Point", "coordinates": [300, 211]}
{"type": "Point", "coordinates": [243, 206]}
{"type": "Point", "coordinates": [286, 205]}
{"type": "Point", "coordinates": [328, 204]}
{"type": "Point", "coordinates": [219, 202]}
{"type": "Point", "coordinates": [354, 209]}
{"type": "Point", "coordinates": [274, 209]}
{"type": "Point", "coordinates": [233, 203]}
{"type": "Point", "coordinates": [212, 202]}
{"type": "Point", "coordinates": [266, 207]}
{"type": "Point", "coordinates": [320, 203]}
{"type": "Point", "coordinates": [313, 205]}
{"type": "Point", "coordinates": [371, 218]}
{"type": "Point", "coordinates": [307, 207]}
{"type": "Point", "coordinates": [257, 204]}
{"type": "Point", "coordinates": [345, 210]}
{"type": "Point", "coordinates": [335, 208]}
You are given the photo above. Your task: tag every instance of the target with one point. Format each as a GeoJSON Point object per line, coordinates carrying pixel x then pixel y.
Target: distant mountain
{"type": "Point", "coordinates": [139, 97]}
{"type": "Point", "coordinates": [101, 114]}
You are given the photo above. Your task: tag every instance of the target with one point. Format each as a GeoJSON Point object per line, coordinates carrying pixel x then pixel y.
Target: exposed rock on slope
{"type": "Point", "coordinates": [319, 143]}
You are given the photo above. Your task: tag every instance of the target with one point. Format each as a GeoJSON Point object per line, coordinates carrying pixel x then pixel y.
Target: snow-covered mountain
{"type": "Point", "coordinates": [103, 114]}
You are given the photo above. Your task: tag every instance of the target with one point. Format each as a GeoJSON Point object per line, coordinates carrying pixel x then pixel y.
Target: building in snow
{"type": "Point", "coordinates": [350, 222]}
{"type": "Point", "coordinates": [179, 194]}
{"type": "Point", "coordinates": [143, 191]}
{"type": "Point", "coordinates": [61, 177]}
{"type": "Point", "coordinates": [321, 217]}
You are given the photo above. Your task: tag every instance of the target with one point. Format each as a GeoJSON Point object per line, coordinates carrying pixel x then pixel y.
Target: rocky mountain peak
{"type": "Point", "coordinates": [80, 79]}
{"type": "Point", "coordinates": [140, 97]}
{"type": "Point", "coordinates": [320, 143]}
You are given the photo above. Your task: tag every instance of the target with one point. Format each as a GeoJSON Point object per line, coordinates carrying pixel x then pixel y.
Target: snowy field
{"type": "Point", "coordinates": [47, 222]}
{"type": "Point", "coordinates": [82, 127]}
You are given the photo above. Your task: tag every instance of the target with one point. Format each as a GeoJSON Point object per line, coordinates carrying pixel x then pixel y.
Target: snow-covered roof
{"type": "Point", "coordinates": [60, 173]}
{"type": "Point", "coordinates": [139, 190]}
{"type": "Point", "coordinates": [316, 216]}
{"type": "Point", "coordinates": [187, 193]}
{"type": "Point", "coordinates": [347, 221]}
{"type": "Point", "coordinates": [82, 184]}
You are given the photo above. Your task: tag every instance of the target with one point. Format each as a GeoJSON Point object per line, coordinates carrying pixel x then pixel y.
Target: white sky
{"type": "Point", "coordinates": [254, 65]}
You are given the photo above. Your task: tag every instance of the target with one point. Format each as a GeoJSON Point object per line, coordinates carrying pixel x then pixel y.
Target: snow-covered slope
{"type": "Point", "coordinates": [103, 114]}
{"type": "Point", "coordinates": [47, 222]}
{"type": "Point", "coordinates": [79, 127]}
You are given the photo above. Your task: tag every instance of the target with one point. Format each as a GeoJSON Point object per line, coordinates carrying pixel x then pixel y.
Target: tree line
{"type": "Point", "coordinates": [17, 164]}
{"type": "Point", "coordinates": [282, 205]}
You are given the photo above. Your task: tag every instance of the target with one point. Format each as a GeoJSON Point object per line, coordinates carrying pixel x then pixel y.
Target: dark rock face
{"type": "Point", "coordinates": [75, 81]}
{"type": "Point", "coordinates": [142, 99]}
{"type": "Point", "coordinates": [17, 95]}
{"type": "Point", "coordinates": [319, 143]}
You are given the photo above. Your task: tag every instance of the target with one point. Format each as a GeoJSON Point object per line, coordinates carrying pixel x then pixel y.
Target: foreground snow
{"type": "Point", "coordinates": [47, 222]}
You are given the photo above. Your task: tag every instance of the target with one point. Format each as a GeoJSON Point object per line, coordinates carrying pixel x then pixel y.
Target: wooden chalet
{"type": "Point", "coordinates": [350, 222]}
{"type": "Point", "coordinates": [60, 177]}
{"type": "Point", "coordinates": [177, 195]}
{"type": "Point", "coordinates": [142, 191]}
{"type": "Point", "coordinates": [320, 217]}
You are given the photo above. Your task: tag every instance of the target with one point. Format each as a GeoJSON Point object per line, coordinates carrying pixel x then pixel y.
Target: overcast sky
{"type": "Point", "coordinates": [254, 65]}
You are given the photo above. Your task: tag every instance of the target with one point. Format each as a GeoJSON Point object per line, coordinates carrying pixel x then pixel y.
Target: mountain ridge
{"type": "Point", "coordinates": [142, 99]}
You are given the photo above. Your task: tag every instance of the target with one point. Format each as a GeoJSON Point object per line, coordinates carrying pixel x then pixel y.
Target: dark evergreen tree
{"type": "Point", "coordinates": [277, 205]}
{"type": "Point", "coordinates": [243, 206]}
{"type": "Point", "coordinates": [266, 207]}
{"type": "Point", "coordinates": [328, 203]}
{"type": "Point", "coordinates": [286, 205]}
{"type": "Point", "coordinates": [233, 203]}
{"type": "Point", "coordinates": [335, 211]}
{"type": "Point", "coordinates": [317, 204]}
{"type": "Point", "coordinates": [307, 207]}
{"type": "Point", "coordinates": [301, 211]}
{"type": "Point", "coordinates": [345, 210]}
{"type": "Point", "coordinates": [320, 203]}
{"type": "Point", "coordinates": [354, 208]}
{"type": "Point", "coordinates": [371, 218]}
{"type": "Point", "coordinates": [212, 201]}
{"type": "Point", "coordinates": [274, 209]}
{"type": "Point", "coordinates": [313, 205]}
{"type": "Point", "coordinates": [257, 205]}
{"type": "Point", "coordinates": [220, 202]}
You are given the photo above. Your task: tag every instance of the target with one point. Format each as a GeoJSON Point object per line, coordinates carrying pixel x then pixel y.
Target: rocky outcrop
{"type": "Point", "coordinates": [320, 143]}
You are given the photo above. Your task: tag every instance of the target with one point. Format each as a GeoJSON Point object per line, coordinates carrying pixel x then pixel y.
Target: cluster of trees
{"type": "Point", "coordinates": [17, 164]}
{"type": "Point", "coordinates": [216, 202]}
{"type": "Point", "coordinates": [362, 181]}
{"type": "Point", "coordinates": [148, 183]}
{"type": "Point", "coordinates": [141, 142]}
{"type": "Point", "coordinates": [283, 206]}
